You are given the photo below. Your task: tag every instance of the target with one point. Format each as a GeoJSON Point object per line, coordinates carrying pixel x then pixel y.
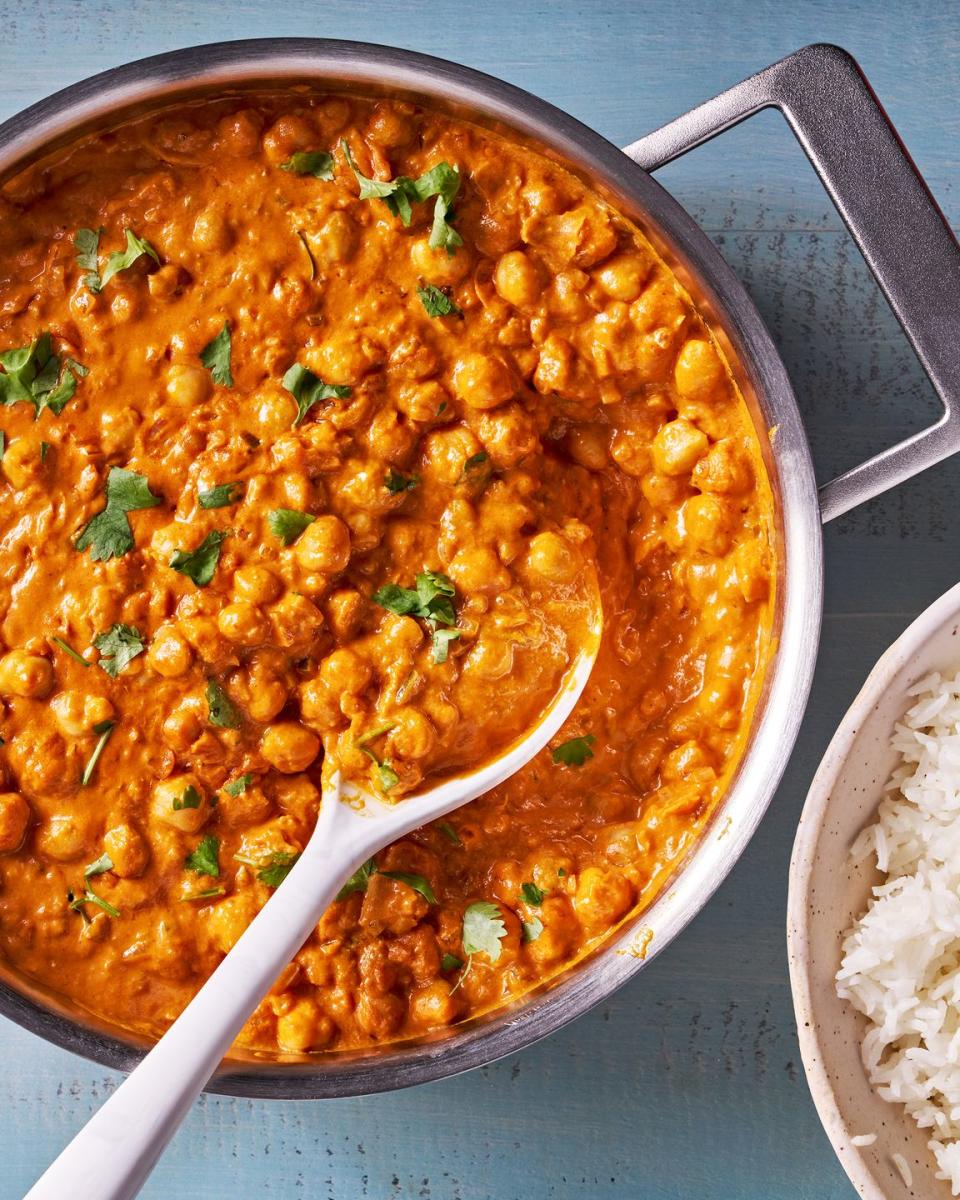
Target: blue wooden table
{"type": "Point", "coordinates": [687, 1085]}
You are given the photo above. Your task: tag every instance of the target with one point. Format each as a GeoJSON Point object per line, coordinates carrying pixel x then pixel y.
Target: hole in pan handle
{"type": "Point", "coordinates": [889, 211]}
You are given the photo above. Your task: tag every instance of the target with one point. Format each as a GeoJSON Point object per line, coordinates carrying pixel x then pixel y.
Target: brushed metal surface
{"type": "Point", "coordinates": [367, 68]}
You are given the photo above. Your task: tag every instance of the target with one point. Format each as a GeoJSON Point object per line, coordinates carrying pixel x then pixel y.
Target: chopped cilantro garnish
{"type": "Point", "coordinates": [575, 752]}
{"type": "Point", "coordinates": [108, 534]}
{"type": "Point", "coordinates": [220, 495]}
{"type": "Point", "coordinates": [104, 729]}
{"type": "Point", "coordinates": [450, 962]}
{"type": "Point", "coordinates": [215, 356]}
{"type": "Point", "coordinates": [287, 524]}
{"type": "Point", "coordinates": [206, 894]}
{"type": "Point", "coordinates": [483, 929]}
{"type": "Point", "coordinates": [236, 787]}
{"type": "Point", "coordinates": [395, 483]}
{"type": "Point", "coordinates": [532, 929]}
{"type": "Point", "coordinates": [417, 882]}
{"type": "Point", "coordinates": [188, 798]}
{"type": "Point", "coordinates": [86, 242]}
{"type": "Point", "coordinates": [68, 649]}
{"type": "Point", "coordinates": [318, 163]}
{"type": "Point", "coordinates": [98, 866]}
{"type": "Point", "coordinates": [121, 260]}
{"type": "Point", "coordinates": [431, 600]}
{"type": "Point", "coordinates": [358, 880]}
{"type": "Point", "coordinates": [200, 564]}
{"type": "Point", "coordinates": [532, 894]}
{"type": "Point", "coordinates": [205, 860]}
{"type": "Point", "coordinates": [441, 643]}
{"type": "Point", "coordinates": [223, 713]}
{"type": "Point", "coordinates": [277, 869]}
{"type": "Point", "coordinates": [35, 374]}
{"type": "Point", "coordinates": [450, 833]}
{"type": "Point", "coordinates": [118, 647]}
{"type": "Point", "coordinates": [437, 302]}
{"type": "Point", "coordinates": [90, 897]}
{"type": "Point", "coordinates": [309, 389]}
{"type": "Point", "coordinates": [387, 777]}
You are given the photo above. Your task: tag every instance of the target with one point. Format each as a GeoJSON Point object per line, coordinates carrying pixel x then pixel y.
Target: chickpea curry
{"type": "Point", "coordinates": [317, 416]}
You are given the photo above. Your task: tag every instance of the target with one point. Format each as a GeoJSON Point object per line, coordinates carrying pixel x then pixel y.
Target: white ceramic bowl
{"type": "Point", "coordinates": [828, 892]}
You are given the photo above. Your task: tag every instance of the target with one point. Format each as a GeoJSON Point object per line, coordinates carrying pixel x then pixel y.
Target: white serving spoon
{"type": "Point", "coordinates": [111, 1157]}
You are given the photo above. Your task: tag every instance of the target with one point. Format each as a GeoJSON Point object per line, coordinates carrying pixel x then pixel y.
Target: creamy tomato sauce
{"type": "Point", "coordinates": [318, 413]}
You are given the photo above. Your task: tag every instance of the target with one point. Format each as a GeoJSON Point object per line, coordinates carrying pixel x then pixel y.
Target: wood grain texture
{"type": "Point", "coordinates": [687, 1084]}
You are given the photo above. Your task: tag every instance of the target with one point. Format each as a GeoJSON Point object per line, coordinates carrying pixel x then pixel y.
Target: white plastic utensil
{"type": "Point", "coordinates": [111, 1157]}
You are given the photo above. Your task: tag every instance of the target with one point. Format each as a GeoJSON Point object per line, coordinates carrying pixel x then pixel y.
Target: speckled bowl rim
{"type": "Point", "coordinates": [810, 1032]}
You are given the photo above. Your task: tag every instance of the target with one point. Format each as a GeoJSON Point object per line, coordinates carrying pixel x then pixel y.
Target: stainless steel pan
{"type": "Point", "coordinates": [916, 261]}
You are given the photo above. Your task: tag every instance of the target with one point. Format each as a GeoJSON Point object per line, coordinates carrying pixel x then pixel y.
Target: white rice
{"type": "Point", "coordinates": [901, 960]}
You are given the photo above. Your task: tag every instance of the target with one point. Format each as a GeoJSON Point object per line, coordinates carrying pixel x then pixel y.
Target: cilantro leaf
{"type": "Point", "coordinates": [98, 867]}
{"type": "Point", "coordinates": [220, 495]}
{"type": "Point", "coordinates": [417, 882]}
{"type": "Point", "coordinates": [450, 962]}
{"type": "Point", "coordinates": [309, 389]}
{"type": "Point", "coordinates": [205, 860]}
{"type": "Point", "coordinates": [90, 897]}
{"type": "Point", "coordinates": [206, 894]}
{"type": "Point", "coordinates": [441, 643]}
{"type": "Point", "coordinates": [189, 798]}
{"type": "Point", "coordinates": [287, 524]}
{"type": "Point", "coordinates": [437, 302]}
{"type": "Point", "coordinates": [121, 260]}
{"type": "Point", "coordinates": [86, 242]}
{"type": "Point", "coordinates": [483, 929]}
{"type": "Point", "coordinates": [575, 752]}
{"type": "Point", "coordinates": [397, 193]}
{"type": "Point", "coordinates": [431, 599]}
{"type": "Point", "coordinates": [223, 712]}
{"type": "Point", "coordinates": [108, 534]}
{"type": "Point", "coordinates": [279, 867]}
{"type": "Point", "coordinates": [200, 564]}
{"type": "Point", "coordinates": [118, 647]}
{"type": "Point", "coordinates": [358, 880]}
{"type": "Point", "coordinates": [35, 374]}
{"type": "Point", "coordinates": [532, 929]}
{"type": "Point", "coordinates": [450, 833]}
{"type": "Point", "coordinates": [395, 483]}
{"type": "Point", "coordinates": [318, 163]}
{"type": "Point", "coordinates": [387, 777]}
{"type": "Point", "coordinates": [104, 728]}
{"type": "Point", "coordinates": [68, 649]}
{"type": "Point", "coordinates": [532, 894]}
{"type": "Point", "coordinates": [215, 356]}
{"type": "Point", "coordinates": [238, 786]}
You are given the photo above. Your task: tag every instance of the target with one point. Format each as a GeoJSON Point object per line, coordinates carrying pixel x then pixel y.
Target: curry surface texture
{"type": "Point", "coordinates": [318, 413]}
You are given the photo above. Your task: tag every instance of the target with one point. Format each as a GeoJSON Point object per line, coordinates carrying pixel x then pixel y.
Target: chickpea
{"type": "Point", "coordinates": [128, 851]}
{"type": "Point", "coordinates": [446, 451]}
{"type": "Point", "coordinates": [296, 621]}
{"type": "Point", "coordinates": [623, 276]}
{"type": "Point", "coordinates": [266, 690]}
{"type": "Point", "coordinates": [678, 446]}
{"type": "Point", "coordinates": [22, 463]}
{"type": "Point", "coordinates": [344, 671]}
{"type": "Point", "coordinates": [436, 265]}
{"type": "Point", "coordinates": [289, 746]}
{"type": "Point", "coordinates": [243, 623]}
{"type": "Point", "coordinates": [118, 429]}
{"type": "Point", "coordinates": [518, 279]}
{"type": "Point", "coordinates": [588, 446]}
{"type": "Point", "coordinates": [629, 450]}
{"type": "Point", "coordinates": [433, 1005]}
{"type": "Point", "coordinates": [274, 411]}
{"type": "Point", "coordinates": [27, 675]}
{"type": "Point", "coordinates": [559, 933]}
{"type": "Point", "coordinates": [250, 807]}
{"type": "Point", "coordinates": [509, 435]}
{"type": "Point", "coordinates": [304, 1027]}
{"type": "Point", "coordinates": [164, 283]}
{"type": "Point", "coordinates": [14, 819]}
{"type": "Point", "coordinates": [479, 570]}
{"type": "Point", "coordinates": [413, 737]}
{"type": "Point", "coordinates": [555, 366]}
{"type": "Point", "coordinates": [348, 356]}
{"type": "Point", "coordinates": [379, 1016]}
{"type": "Point", "coordinates": [319, 706]}
{"type": "Point", "coordinates": [77, 712]}
{"type": "Point", "coordinates": [172, 803]}
{"type": "Point", "coordinates": [285, 136]}
{"type": "Point", "coordinates": [423, 402]}
{"type": "Point", "coordinates": [707, 522]}
{"type": "Point", "coordinates": [228, 919]}
{"type": "Point", "coordinates": [751, 563]}
{"type": "Point", "coordinates": [256, 585]}
{"type": "Point", "coordinates": [603, 895]}
{"type": "Point", "coordinates": [723, 469]}
{"type": "Point", "coordinates": [698, 369]}
{"type": "Point", "coordinates": [481, 381]}
{"type": "Point", "coordinates": [337, 240]}
{"type": "Point", "coordinates": [169, 653]}
{"type": "Point", "coordinates": [188, 386]}
{"type": "Point", "coordinates": [553, 558]}
{"type": "Point", "coordinates": [388, 127]}
{"type": "Point", "coordinates": [324, 546]}
{"type": "Point", "coordinates": [63, 838]}
{"type": "Point", "coordinates": [211, 231]}
{"type": "Point", "coordinates": [239, 133]}
{"type": "Point", "coordinates": [344, 609]}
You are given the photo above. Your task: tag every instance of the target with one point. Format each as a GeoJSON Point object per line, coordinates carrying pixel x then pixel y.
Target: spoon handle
{"type": "Point", "coordinates": [111, 1157]}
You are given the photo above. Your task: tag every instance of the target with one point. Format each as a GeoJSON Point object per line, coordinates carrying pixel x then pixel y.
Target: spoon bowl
{"type": "Point", "coordinates": [112, 1156]}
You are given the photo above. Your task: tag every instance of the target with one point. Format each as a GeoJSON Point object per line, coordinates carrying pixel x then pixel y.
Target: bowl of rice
{"type": "Point", "coordinates": [873, 921]}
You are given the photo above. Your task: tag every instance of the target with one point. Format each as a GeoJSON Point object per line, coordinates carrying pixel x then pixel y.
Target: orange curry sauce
{"type": "Point", "coordinates": [305, 468]}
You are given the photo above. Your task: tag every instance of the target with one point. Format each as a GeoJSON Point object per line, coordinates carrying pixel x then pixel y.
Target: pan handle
{"type": "Point", "coordinates": [889, 212]}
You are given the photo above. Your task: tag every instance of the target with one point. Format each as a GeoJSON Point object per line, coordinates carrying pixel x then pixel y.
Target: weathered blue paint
{"type": "Point", "coordinates": [687, 1084]}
